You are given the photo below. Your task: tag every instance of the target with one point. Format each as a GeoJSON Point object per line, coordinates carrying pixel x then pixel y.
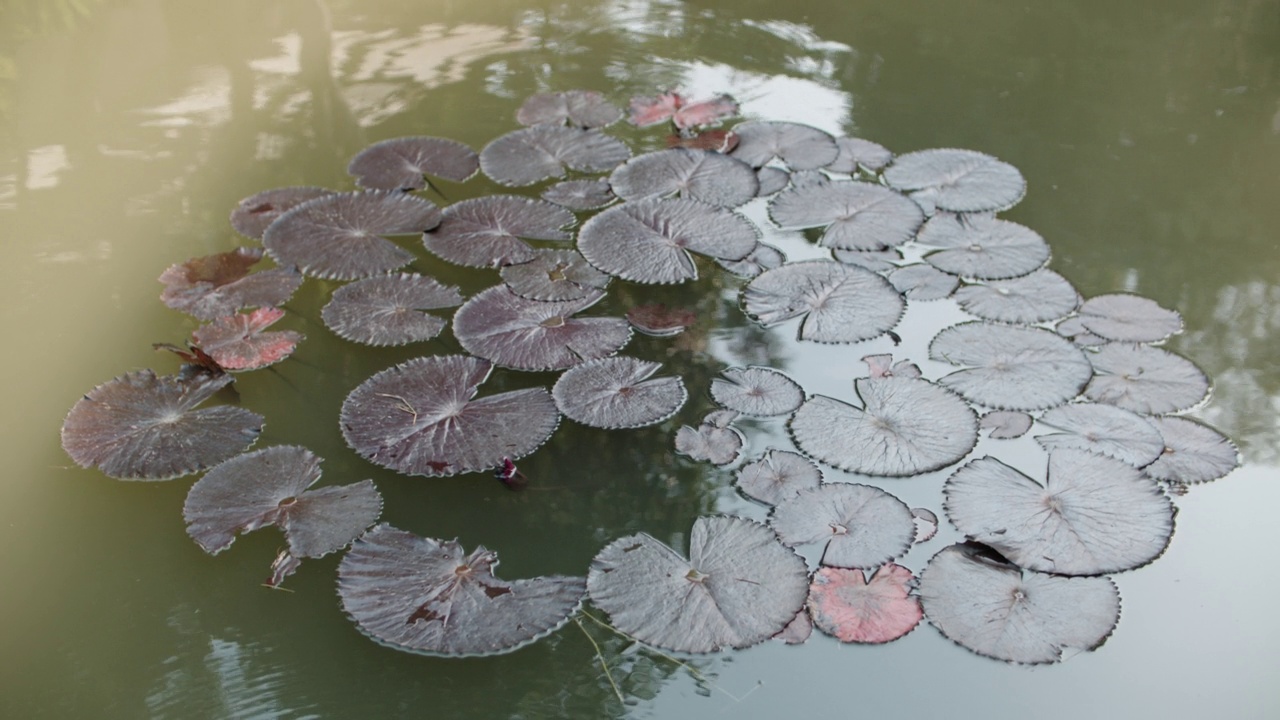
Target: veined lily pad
{"type": "Point", "coordinates": [1145, 379]}
{"type": "Point", "coordinates": [839, 303]}
{"type": "Point", "coordinates": [618, 392]}
{"type": "Point", "coordinates": [1005, 424]}
{"type": "Point", "coordinates": [1103, 429]}
{"type": "Point", "coordinates": [339, 236]}
{"type": "Point", "coordinates": [907, 426]}
{"type": "Point", "coordinates": [554, 275]}
{"type": "Point", "coordinates": [213, 286]}
{"type": "Point", "coordinates": [1093, 515]}
{"type": "Point", "coordinates": [240, 342]}
{"type": "Point", "coordinates": [389, 309]}
{"type": "Point", "coordinates": [484, 232]}
{"type": "Point", "coordinates": [269, 487]}
{"type": "Point", "coordinates": [848, 606]}
{"type": "Point", "coordinates": [957, 180]}
{"type": "Point", "coordinates": [581, 108]}
{"type": "Point", "coordinates": [858, 153]}
{"type": "Point", "coordinates": [403, 163]}
{"type": "Point", "coordinates": [777, 476]}
{"type": "Point", "coordinates": [1011, 368]}
{"type": "Point", "coordinates": [923, 282]}
{"type": "Point", "coordinates": [982, 247]}
{"type": "Point", "coordinates": [695, 174]}
{"type": "Point", "coordinates": [580, 194]}
{"type": "Point", "coordinates": [874, 260]}
{"type": "Point", "coordinates": [1040, 296]}
{"type": "Point", "coordinates": [739, 586]}
{"type": "Point", "coordinates": [720, 141]}
{"type": "Point", "coordinates": [1193, 452]}
{"type": "Point", "coordinates": [524, 157]}
{"type": "Point", "coordinates": [926, 524]}
{"type": "Point", "coordinates": [771, 180]}
{"type": "Point", "coordinates": [985, 604]}
{"type": "Point", "coordinates": [513, 332]}
{"type": "Point", "coordinates": [432, 597]}
{"type": "Point", "coordinates": [856, 215]}
{"type": "Point", "coordinates": [141, 426]}
{"type": "Point", "coordinates": [649, 241]}
{"type": "Point", "coordinates": [763, 257]}
{"type": "Point", "coordinates": [882, 366]}
{"type": "Point", "coordinates": [860, 526]}
{"type": "Point", "coordinates": [713, 441]}
{"type": "Point", "coordinates": [758, 391]}
{"type": "Point", "coordinates": [254, 214]}
{"type": "Point", "coordinates": [1129, 318]}
{"type": "Point", "coordinates": [801, 147]}
{"type": "Point", "coordinates": [422, 417]}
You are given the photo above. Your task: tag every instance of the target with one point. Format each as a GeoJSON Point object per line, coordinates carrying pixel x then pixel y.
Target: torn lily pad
{"type": "Point", "coordinates": [758, 391]}
{"type": "Point", "coordinates": [340, 237]}
{"type": "Point", "coordinates": [982, 247]}
{"type": "Point", "coordinates": [1145, 379]}
{"type": "Point", "coordinates": [1129, 318]}
{"type": "Point", "coordinates": [403, 163]}
{"type": "Point", "coordinates": [854, 609]}
{"type": "Point", "coordinates": [800, 147]}
{"type": "Point", "coordinates": [1093, 514]}
{"type": "Point", "coordinates": [554, 275]}
{"type": "Point", "coordinates": [580, 194]}
{"type": "Point", "coordinates": [713, 441]}
{"type": "Point", "coordinates": [777, 476]}
{"type": "Point", "coordinates": [839, 303]}
{"type": "Point", "coordinates": [859, 526]}
{"type": "Point", "coordinates": [1009, 367]}
{"type": "Point", "coordinates": [695, 174]}
{"type": "Point", "coordinates": [524, 157]}
{"type": "Point", "coordinates": [926, 524]}
{"type": "Point", "coordinates": [580, 108]}
{"type": "Point", "coordinates": [1005, 424]}
{"type": "Point", "coordinates": [432, 597]}
{"type": "Point", "coordinates": [963, 181]}
{"type": "Point", "coordinates": [389, 309]}
{"type": "Point", "coordinates": [983, 603]}
{"type": "Point", "coordinates": [618, 392]}
{"type": "Point", "coordinates": [485, 232]}
{"type": "Point", "coordinates": [907, 426]}
{"type": "Point", "coordinates": [1040, 296]}
{"type": "Point", "coordinates": [856, 215]}
{"type": "Point", "coordinates": [422, 417]}
{"type": "Point", "coordinates": [1193, 452]}
{"type": "Point", "coordinates": [141, 426]}
{"type": "Point", "coordinates": [213, 286]}
{"type": "Point", "coordinates": [254, 214]}
{"type": "Point", "coordinates": [877, 261]}
{"type": "Point", "coordinates": [1103, 429]}
{"type": "Point", "coordinates": [738, 587]}
{"type": "Point", "coordinates": [521, 334]}
{"type": "Point", "coordinates": [241, 342]}
{"type": "Point", "coordinates": [270, 487]}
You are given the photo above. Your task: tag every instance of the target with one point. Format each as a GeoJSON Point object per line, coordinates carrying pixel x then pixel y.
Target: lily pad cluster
{"type": "Point", "coordinates": [1088, 377]}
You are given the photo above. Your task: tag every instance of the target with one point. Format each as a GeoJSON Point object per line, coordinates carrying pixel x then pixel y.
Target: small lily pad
{"type": "Point", "coordinates": [241, 342]}
{"type": "Point", "coordinates": [580, 108]}
{"type": "Point", "coordinates": [926, 524]}
{"type": "Point", "coordinates": [839, 303]}
{"type": "Point", "coordinates": [389, 309]}
{"type": "Point", "coordinates": [1103, 429]}
{"type": "Point", "coordinates": [1010, 367]}
{"type": "Point", "coordinates": [777, 476]}
{"type": "Point", "coordinates": [957, 180]}
{"type": "Point", "coordinates": [772, 180]}
{"type": "Point", "coordinates": [713, 441]}
{"type": "Point", "coordinates": [859, 526]}
{"type": "Point", "coordinates": [402, 163]}
{"type": "Point", "coordinates": [923, 282]}
{"type": "Point", "coordinates": [758, 391]}
{"type": "Point", "coordinates": [763, 257]}
{"type": "Point", "coordinates": [1145, 379]}
{"type": "Point", "coordinates": [254, 214]}
{"type": "Point", "coordinates": [1005, 424]}
{"type": "Point", "coordinates": [1193, 452]}
{"type": "Point", "coordinates": [659, 320]}
{"type": "Point", "coordinates": [683, 114]}
{"type": "Point", "coordinates": [213, 286]}
{"type": "Point", "coordinates": [858, 153]}
{"type": "Point", "coordinates": [485, 232]}
{"type": "Point", "coordinates": [848, 606]}
{"type": "Point", "coordinates": [618, 392]}
{"type": "Point", "coordinates": [554, 275]}
{"type": "Point", "coordinates": [800, 147]}
{"type": "Point", "coordinates": [524, 157]}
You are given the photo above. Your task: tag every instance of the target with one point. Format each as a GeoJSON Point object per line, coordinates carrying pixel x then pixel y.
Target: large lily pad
{"type": "Point", "coordinates": [696, 174]}
{"type": "Point", "coordinates": [1039, 296]}
{"type": "Point", "coordinates": [856, 215]}
{"type": "Point", "coordinates": [422, 417]}
{"type": "Point", "coordinates": [801, 147]}
{"type": "Point", "coordinates": [554, 275]}
{"type": "Point", "coordinates": [1009, 367]}
{"type": "Point", "coordinates": [763, 257]}
{"type": "Point", "coordinates": [580, 108]}
{"type": "Point", "coordinates": [389, 309]}
{"type": "Point", "coordinates": [214, 286]}
{"type": "Point", "coordinates": [848, 606]}
{"type": "Point", "coordinates": [241, 341]}
{"type": "Point", "coordinates": [403, 163]}
{"type": "Point", "coordinates": [860, 526]}
{"type": "Point", "coordinates": [923, 282]}
{"type": "Point", "coordinates": [982, 247]}
{"type": "Point", "coordinates": [485, 232]}
{"type": "Point", "coordinates": [1145, 379]}
{"type": "Point", "coordinates": [957, 180]}
{"type": "Point", "coordinates": [1103, 429]}
{"type": "Point", "coordinates": [739, 586]}
{"type": "Point", "coordinates": [777, 476]}
{"type": "Point", "coordinates": [713, 441]}
{"type": "Point", "coordinates": [618, 392]}
{"type": "Point", "coordinates": [432, 597]}
{"type": "Point", "coordinates": [141, 426]}
{"type": "Point", "coordinates": [758, 391]}
{"type": "Point", "coordinates": [1093, 514]}
{"type": "Point", "coordinates": [524, 157]}
{"type": "Point", "coordinates": [839, 303]}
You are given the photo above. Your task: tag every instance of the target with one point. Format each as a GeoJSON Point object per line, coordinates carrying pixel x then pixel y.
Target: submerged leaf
{"type": "Point", "coordinates": [254, 214]}
{"type": "Point", "coordinates": [695, 174]}
{"type": "Point", "coordinates": [402, 163]}
{"type": "Point", "coordinates": [1005, 424]}
{"type": "Point", "coordinates": [389, 309]}
{"type": "Point", "coordinates": [801, 147]}
{"type": "Point", "coordinates": [1145, 379]}
{"type": "Point", "coordinates": [777, 476]}
{"type": "Point", "coordinates": [618, 392]}
{"type": "Point", "coordinates": [1009, 367]}
{"type": "Point", "coordinates": [484, 232]}
{"type": "Point", "coordinates": [860, 526]}
{"type": "Point", "coordinates": [957, 180]}
{"type": "Point", "coordinates": [758, 391]}
{"type": "Point", "coordinates": [856, 215]}
{"type": "Point", "coordinates": [240, 342]}
{"type": "Point", "coordinates": [580, 108]}
{"type": "Point", "coordinates": [850, 607]}
{"type": "Point", "coordinates": [527, 156]}
{"type": "Point", "coordinates": [839, 303]}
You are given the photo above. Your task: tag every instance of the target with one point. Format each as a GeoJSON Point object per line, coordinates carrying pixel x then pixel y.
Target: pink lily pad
{"type": "Point", "coordinates": [854, 609]}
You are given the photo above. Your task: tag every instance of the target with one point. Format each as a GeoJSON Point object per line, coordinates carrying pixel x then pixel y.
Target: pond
{"type": "Point", "coordinates": [1149, 139]}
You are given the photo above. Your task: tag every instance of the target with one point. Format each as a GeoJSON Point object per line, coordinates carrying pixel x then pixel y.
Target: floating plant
{"type": "Point", "coordinates": [777, 476]}
{"type": "Point", "coordinates": [484, 232]}
{"type": "Point", "coordinates": [242, 342]}
{"type": "Point", "coordinates": [846, 604]}
{"type": "Point", "coordinates": [212, 286]}
{"type": "Point", "coordinates": [389, 309]}
{"type": "Point", "coordinates": [618, 392]}
{"type": "Point", "coordinates": [580, 108]}
{"type": "Point", "coordinates": [859, 526]}
{"type": "Point", "coordinates": [404, 163]}
{"type": "Point", "coordinates": [254, 214]}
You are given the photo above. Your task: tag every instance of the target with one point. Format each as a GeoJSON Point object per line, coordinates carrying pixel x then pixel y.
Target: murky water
{"type": "Point", "coordinates": [1150, 138]}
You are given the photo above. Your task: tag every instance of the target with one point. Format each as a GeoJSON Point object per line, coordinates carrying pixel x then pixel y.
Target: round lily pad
{"type": "Point", "coordinates": [1103, 429]}
{"type": "Point", "coordinates": [389, 309]}
{"type": "Point", "coordinates": [580, 108]}
{"type": "Point", "coordinates": [758, 391]}
{"type": "Point", "coordinates": [683, 114]}
{"type": "Point", "coordinates": [860, 526]}
{"type": "Point", "coordinates": [923, 282]}
{"type": "Point", "coordinates": [1040, 296]}
{"type": "Point", "coordinates": [554, 275]}
{"type": "Point", "coordinates": [800, 147]}
{"type": "Point", "coordinates": [1193, 452]}
{"type": "Point", "coordinates": [856, 215]}
{"type": "Point", "coordinates": [712, 442]}
{"type": "Point", "coordinates": [1129, 318]}
{"type": "Point", "coordinates": [839, 303]}
{"type": "Point", "coordinates": [763, 257]}
{"type": "Point", "coordinates": [618, 392]}
{"type": "Point", "coordinates": [858, 153]}
{"type": "Point", "coordinates": [485, 232]}
{"type": "Point", "coordinates": [524, 157]}
{"type": "Point", "coordinates": [214, 286]}
{"type": "Point", "coordinates": [241, 341]}
{"type": "Point", "coordinates": [1009, 367]}
{"type": "Point", "coordinates": [777, 476]}
{"type": "Point", "coordinates": [1145, 379]}
{"type": "Point", "coordinates": [739, 586]}
{"type": "Point", "coordinates": [848, 606]}
{"type": "Point", "coordinates": [402, 163]}
{"type": "Point", "coordinates": [695, 174]}
{"type": "Point", "coordinates": [580, 194]}
{"type": "Point", "coordinates": [982, 247]}
{"type": "Point", "coordinates": [957, 180]}
{"type": "Point", "coordinates": [1005, 424]}
{"type": "Point", "coordinates": [254, 214]}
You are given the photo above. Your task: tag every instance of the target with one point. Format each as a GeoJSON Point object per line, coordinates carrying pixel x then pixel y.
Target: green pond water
{"type": "Point", "coordinates": [1149, 134]}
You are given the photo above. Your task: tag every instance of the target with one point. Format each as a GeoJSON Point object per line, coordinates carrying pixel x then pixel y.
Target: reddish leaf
{"type": "Point", "coordinates": [845, 604]}
{"type": "Point", "coordinates": [237, 342]}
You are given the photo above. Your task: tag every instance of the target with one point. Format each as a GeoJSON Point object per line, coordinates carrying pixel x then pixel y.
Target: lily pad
{"type": "Point", "coordinates": [141, 426]}
{"type": "Point", "coordinates": [763, 257]}
{"type": "Point", "coordinates": [982, 247]}
{"type": "Point", "coordinates": [1145, 379]}
{"type": "Point", "coordinates": [860, 526]}
{"type": "Point", "coordinates": [777, 476]}
{"type": "Point", "coordinates": [269, 487]}
{"type": "Point", "coordinates": [695, 174]}
{"type": "Point", "coordinates": [485, 232]}
{"type": "Point", "coordinates": [858, 153]}
{"type": "Point", "coordinates": [513, 332]}
{"type": "Point", "coordinates": [340, 237]}
{"type": "Point", "coordinates": [403, 163]}
{"type": "Point", "coordinates": [254, 214]}
{"type": "Point", "coordinates": [848, 606]}
{"type": "Point", "coordinates": [1129, 318]}
{"type": "Point", "coordinates": [926, 524]}
{"type": "Point", "coordinates": [647, 111]}
{"type": "Point", "coordinates": [580, 194]}
{"type": "Point", "coordinates": [422, 417]}
{"type": "Point", "coordinates": [771, 180]}
{"type": "Point", "coordinates": [739, 586]}
{"type": "Point", "coordinates": [923, 282]}
{"type": "Point", "coordinates": [1193, 452]}
{"type": "Point", "coordinates": [213, 286]}
{"type": "Point", "coordinates": [241, 342]}
{"type": "Point", "coordinates": [1103, 429]}
{"type": "Point", "coordinates": [957, 180]}
{"type": "Point", "coordinates": [800, 147]}
{"type": "Point", "coordinates": [713, 441]}
{"type": "Point", "coordinates": [758, 391]}
{"type": "Point", "coordinates": [618, 392]}
{"type": "Point", "coordinates": [1040, 296]}
{"type": "Point", "coordinates": [524, 157]}
{"type": "Point", "coordinates": [554, 275]}
{"type": "Point", "coordinates": [1093, 514]}
{"type": "Point", "coordinates": [1005, 424]}
{"type": "Point", "coordinates": [389, 309]}
{"type": "Point", "coordinates": [839, 303]}
{"type": "Point", "coordinates": [432, 597]}
{"type": "Point", "coordinates": [721, 141]}
{"type": "Point", "coordinates": [580, 108]}
{"type": "Point", "coordinates": [1009, 367]}
{"type": "Point", "coordinates": [856, 215]}
{"type": "Point", "coordinates": [985, 604]}
{"type": "Point", "coordinates": [874, 260]}
{"type": "Point", "coordinates": [649, 241]}
{"type": "Point", "coordinates": [907, 426]}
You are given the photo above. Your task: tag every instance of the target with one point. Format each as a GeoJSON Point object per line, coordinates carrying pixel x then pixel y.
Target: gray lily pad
{"type": "Point", "coordinates": [777, 476]}
{"type": "Point", "coordinates": [1005, 424]}
{"type": "Point", "coordinates": [985, 604]}
{"type": "Point", "coordinates": [763, 257]}
{"type": "Point", "coordinates": [839, 303]}
{"type": "Point", "coordinates": [1040, 296]}
{"type": "Point", "coordinates": [1103, 429]}
{"type": "Point", "coordinates": [907, 426]}
{"type": "Point", "coordinates": [141, 426]}
{"type": "Point", "coordinates": [739, 586]}
{"type": "Point", "coordinates": [389, 309]}
{"type": "Point", "coordinates": [524, 157]}
{"type": "Point", "coordinates": [873, 260]}
{"type": "Point", "coordinates": [422, 417]}
{"type": "Point", "coordinates": [1009, 367]}
{"type": "Point", "coordinates": [513, 332]}
{"type": "Point", "coordinates": [1129, 318]}
{"type": "Point", "coordinates": [801, 147]}
{"type": "Point", "coordinates": [1145, 379]}
{"type": "Point", "coordinates": [923, 282]}
{"type": "Point", "coordinates": [882, 365]}
{"type": "Point", "coordinates": [758, 391]}
{"type": "Point", "coordinates": [649, 241]}
{"type": "Point", "coordinates": [1193, 452]}
{"type": "Point", "coordinates": [860, 526]}
{"type": "Point", "coordinates": [926, 524]}
{"type": "Point", "coordinates": [618, 392]}
{"type": "Point", "coordinates": [1093, 514]}
{"type": "Point", "coordinates": [771, 180]}
{"type": "Point", "coordinates": [858, 153]}
{"type": "Point", "coordinates": [703, 175]}
{"type": "Point", "coordinates": [580, 194]}
{"type": "Point", "coordinates": [485, 232]}
{"type": "Point", "coordinates": [214, 286]}
{"type": "Point", "coordinates": [432, 597]}
{"type": "Point", "coordinates": [957, 180]}
{"type": "Point", "coordinates": [856, 215]}
{"type": "Point", "coordinates": [554, 275]}
{"type": "Point", "coordinates": [254, 214]}
{"type": "Point", "coordinates": [340, 237]}
{"type": "Point", "coordinates": [713, 441]}
{"type": "Point", "coordinates": [402, 163]}
{"type": "Point", "coordinates": [982, 247]}
{"type": "Point", "coordinates": [580, 108]}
